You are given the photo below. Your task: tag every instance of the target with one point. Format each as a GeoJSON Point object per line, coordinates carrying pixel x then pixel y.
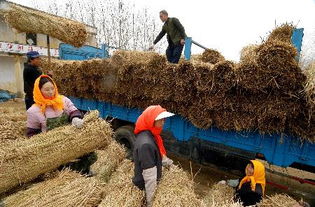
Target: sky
{"type": "Point", "coordinates": [229, 25]}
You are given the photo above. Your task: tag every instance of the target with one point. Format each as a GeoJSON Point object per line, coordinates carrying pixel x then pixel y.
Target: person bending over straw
{"type": "Point", "coordinates": [149, 152]}
{"type": "Point", "coordinates": [251, 188]}
{"type": "Point", "coordinates": [52, 110]}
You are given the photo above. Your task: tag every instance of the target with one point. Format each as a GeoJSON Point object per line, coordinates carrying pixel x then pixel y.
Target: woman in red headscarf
{"type": "Point", "coordinates": [149, 152]}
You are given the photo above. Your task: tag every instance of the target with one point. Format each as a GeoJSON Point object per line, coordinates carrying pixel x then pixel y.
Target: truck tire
{"type": "Point", "coordinates": [125, 136]}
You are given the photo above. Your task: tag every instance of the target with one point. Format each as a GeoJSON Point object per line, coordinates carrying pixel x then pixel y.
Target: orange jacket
{"type": "Point", "coordinates": [146, 122]}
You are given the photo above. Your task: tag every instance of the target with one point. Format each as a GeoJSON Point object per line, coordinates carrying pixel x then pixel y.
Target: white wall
{"type": "Point", "coordinates": [7, 34]}
{"type": "Point", "coordinates": [8, 77]}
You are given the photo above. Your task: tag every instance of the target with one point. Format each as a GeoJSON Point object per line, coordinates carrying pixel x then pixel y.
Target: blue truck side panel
{"type": "Point", "coordinates": [296, 40]}
{"type": "Point", "coordinates": [281, 150]}
{"type": "Point", "coordinates": [278, 149]}
{"type": "Point", "coordinates": [69, 52]}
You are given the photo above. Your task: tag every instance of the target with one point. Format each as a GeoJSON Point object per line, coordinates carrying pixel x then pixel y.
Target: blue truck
{"type": "Point", "coordinates": [184, 139]}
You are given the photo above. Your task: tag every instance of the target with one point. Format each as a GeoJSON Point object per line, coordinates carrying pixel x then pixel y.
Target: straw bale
{"type": "Point", "coordinates": [176, 188]}
{"type": "Point", "coordinates": [282, 33]}
{"type": "Point", "coordinates": [200, 116]}
{"type": "Point", "coordinates": [108, 160]}
{"type": "Point", "coordinates": [221, 195]}
{"type": "Point", "coordinates": [256, 79]}
{"type": "Point", "coordinates": [24, 160]}
{"type": "Point", "coordinates": [98, 72]}
{"type": "Point", "coordinates": [12, 125]}
{"type": "Point", "coordinates": [276, 55]}
{"type": "Point", "coordinates": [303, 125]}
{"type": "Point", "coordinates": [248, 53]}
{"type": "Point", "coordinates": [203, 76]}
{"type": "Point", "coordinates": [120, 191]}
{"type": "Point", "coordinates": [212, 56]}
{"type": "Point", "coordinates": [12, 122]}
{"type": "Point", "coordinates": [250, 76]}
{"type": "Point", "coordinates": [33, 21]}
{"type": "Point", "coordinates": [223, 77]}
{"type": "Point", "coordinates": [182, 81]}
{"type": "Point", "coordinates": [196, 58]}
{"type": "Point", "coordinates": [66, 189]}
{"type": "Point", "coordinates": [310, 84]}
{"type": "Point", "coordinates": [277, 200]}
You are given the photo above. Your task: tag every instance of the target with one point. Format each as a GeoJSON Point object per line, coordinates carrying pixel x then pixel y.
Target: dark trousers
{"type": "Point", "coordinates": [173, 52]}
{"type": "Point", "coordinates": [28, 102]}
{"type": "Point", "coordinates": [83, 164]}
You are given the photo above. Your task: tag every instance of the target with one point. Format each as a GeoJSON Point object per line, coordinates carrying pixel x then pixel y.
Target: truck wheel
{"type": "Point", "coordinates": [125, 136]}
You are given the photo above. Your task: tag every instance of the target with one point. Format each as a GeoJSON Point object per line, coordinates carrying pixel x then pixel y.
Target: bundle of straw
{"type": "Point", "coordinates": [310, 84]}
{"type": "Point", "coordinates": [25, 160]}
{"type": "Point", "coordinates": [120, 191]}
{"type": "Point", "coordinates": [32, 21]}
{"type": "Point", "coordinates": [248, 53]}
{"type": "Point", "coordinates": [176, 189]}
{"type": "Point", "coordinates": [108, 160]}
{"type": "Point", "coordinates": [12, 122]}
{"type": "Point", "coordinates": [66, 189]}
{"type": "Point", "coordinates": [282, 33]}
{"type": "Point", "coordinates": [277, 200]}
{"type": "Point", "coordinates": [211, 56]}
{"type": "Point", "coordinates": [276, 56]}
{"type": "Point", "coordinates": [221, 195]}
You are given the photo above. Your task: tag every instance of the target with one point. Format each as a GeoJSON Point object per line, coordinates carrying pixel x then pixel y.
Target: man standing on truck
{"type": "Point", "coordinates": [30, 74]}
{"type": "Point", "coordinates": [149, 153]}
{"type": "Point", "coordinates": [175, 37]}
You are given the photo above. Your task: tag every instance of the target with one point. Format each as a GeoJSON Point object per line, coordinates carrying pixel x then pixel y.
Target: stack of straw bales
{"type": "Point", "coordinates": [108, 160]}
{"type": "Point", "coordinates": [176, 189]}
{"type": "Point", "coordinates": [66, 189]}
{"type": "Point", "coordinates": [120, 191]}
{"type": "Point", "coordinates": [32, 21]}
{"type": "Point", "coordinates": [24, 160]}
{"type": "Point", "coordinates": [263, 92]}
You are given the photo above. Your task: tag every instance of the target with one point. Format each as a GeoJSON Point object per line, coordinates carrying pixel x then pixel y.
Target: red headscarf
{"type": "Point", "coordinates": [146, 122]}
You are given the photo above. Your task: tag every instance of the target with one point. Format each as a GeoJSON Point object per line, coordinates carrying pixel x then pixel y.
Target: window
{"type": "Point", "coordinates": [31, 39]}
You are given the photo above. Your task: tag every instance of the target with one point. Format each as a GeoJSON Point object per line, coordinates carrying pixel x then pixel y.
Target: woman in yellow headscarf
{"type": "Point", "coordinates": [50, 109]}
{"type": "Point", "coordinates": [251, 188]}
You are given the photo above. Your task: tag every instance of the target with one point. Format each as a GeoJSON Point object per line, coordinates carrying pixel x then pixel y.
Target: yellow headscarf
{"type": "Point", "coordinates": [258, 176]}
{"type": "Point", "coordinates": [56, 102]}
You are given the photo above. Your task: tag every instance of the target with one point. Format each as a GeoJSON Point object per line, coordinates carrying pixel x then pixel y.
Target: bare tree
{"type": "Point", "coordinates": [119, 24]}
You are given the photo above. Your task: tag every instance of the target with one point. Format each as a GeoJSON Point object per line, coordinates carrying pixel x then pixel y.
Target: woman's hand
{"type": "Point", "coordinates": [77, 122]}
{"type": "Point", "coordinates": [166, 162]}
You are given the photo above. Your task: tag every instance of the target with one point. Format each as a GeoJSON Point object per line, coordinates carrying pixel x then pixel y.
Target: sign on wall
{"type": "Point", "coordinates": [23, 49]}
